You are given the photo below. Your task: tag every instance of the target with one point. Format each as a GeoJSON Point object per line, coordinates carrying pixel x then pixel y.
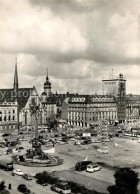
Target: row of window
{"type": "Point", "coordinates": [9, 118]}
{"type": "Point", "coordinates": [8, 111]}
{"type": "Point", "coordinates": [7, 126]}
{"type": "Point", "coordinates": [93, 118]}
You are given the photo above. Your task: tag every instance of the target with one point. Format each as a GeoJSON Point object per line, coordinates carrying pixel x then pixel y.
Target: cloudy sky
{"type": "Point", "coordinates": [80, 41]}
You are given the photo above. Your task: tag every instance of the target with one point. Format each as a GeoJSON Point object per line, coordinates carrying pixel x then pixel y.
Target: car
{"type": "Point", "coordinates": [18, 172]}
{"type": "Point", "coordinates": [19, 139]}
{"type": "Point", "coordinates": [82, 165]}
{"type": "Point", "coordinates": [42, 182]}
{"type": "Point", "coordinates": [24, 139]}
{"type": "Point", "coordinates": [72, 139]}
{"type": "Point", "coordinates": [15, 150]}
{"type": "Point", "coordinates": [21, 148]}
{"type": "Point", "coordinates": [49, 144]}
{"type": "Point", "coordinates": [6, 134]}
{"type": "Point", "coordinates": [23, 189]}
{"type": "Point", "coordinates": [61, 187]}
{"type": "Point", "coordinates": [27, 176]}
{"type": "Point", "coordinates": [77, 143]}
{"type": "Point", "coordinates": [21, 132]}
{"type": "Point", "coordinates": [87, 141]}
{"type": "Point", "coordinates": [61, 142]}
{"type": "Point", "coordinates": [93, 167]}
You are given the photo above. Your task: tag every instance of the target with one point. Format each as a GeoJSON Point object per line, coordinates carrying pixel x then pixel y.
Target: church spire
{"type": "Point", "coordinates": [16, 77]}
{"type": "Point", "coordinates": [47, 78]}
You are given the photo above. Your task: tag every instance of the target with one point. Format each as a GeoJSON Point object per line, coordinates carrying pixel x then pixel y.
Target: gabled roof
{"type": "Point", "coordinates": [9, 95]}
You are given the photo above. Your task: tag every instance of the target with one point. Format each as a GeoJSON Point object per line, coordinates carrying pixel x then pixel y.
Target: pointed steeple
{"type": "Point", "coordinates": [47, 78]}
{"type": "Point", "coordinates": [16, 77]}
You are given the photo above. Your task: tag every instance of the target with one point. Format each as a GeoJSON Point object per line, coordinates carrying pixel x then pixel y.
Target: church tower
{"type": "Point", "coordinates": [47, 86]}
{"type": "Point", "coordinates": [16, 78]}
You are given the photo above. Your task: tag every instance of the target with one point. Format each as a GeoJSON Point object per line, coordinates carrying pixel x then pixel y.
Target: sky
{"type": "Point", "coordinates": [79, 41]}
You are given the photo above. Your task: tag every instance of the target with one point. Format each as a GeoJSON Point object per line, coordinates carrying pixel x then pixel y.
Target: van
{"type": "Point", "coordinates": [93, 167]}
{"type": "Point", "coordinates": [61, 187]}
{"type": "Point", "coordinates": [82, 165]}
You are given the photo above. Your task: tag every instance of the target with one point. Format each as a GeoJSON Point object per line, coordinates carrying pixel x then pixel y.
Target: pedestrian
{"type": "Point", "coordinates": [10, 187]}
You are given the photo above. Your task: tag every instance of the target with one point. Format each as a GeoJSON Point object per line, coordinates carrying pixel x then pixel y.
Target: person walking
{"type": "Point", "coordinates": [10, 187]}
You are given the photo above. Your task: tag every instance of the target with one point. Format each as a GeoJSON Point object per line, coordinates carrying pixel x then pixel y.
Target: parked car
{"type": "Point", "coordinates": [23, 189]}
{"type": "Point", "coordinates": [61, 187]}
{"type": "Point", "coordinates": [6, 134]}
{"type": "Point", "coordinates": [42, 182]}
{"type": "Point", "coordinates": [21, 148]}
{"type": "Point", "coordinates": [15, 150]}
{"type": "Point", "coordinates": [61, 142]}
{"type": "Point", "coordinates": [27, 176]}
{"type": "Point", "coordinates": [21, 132]}
{"type": "Point", "coordinates": [82, 165]}
{"type": "Point", "coordinates": [49, 144]}
{"type": "Point", "coordinates": [18, 172]}
{"type": "Point", "coordinates": [87, 141]}
{"type": "Point", "coordinates": [77, 143]}
{"type": "Point", "coordinates": [24, 139]}
{"type": "Point", "coordinates": [93, 167]}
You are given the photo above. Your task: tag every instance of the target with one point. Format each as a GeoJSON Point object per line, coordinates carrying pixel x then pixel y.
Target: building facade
{"type": "Point", "coordinates": [85, 110]}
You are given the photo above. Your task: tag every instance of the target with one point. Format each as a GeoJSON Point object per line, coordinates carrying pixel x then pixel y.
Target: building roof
{"type": "Point", "coordinates": [89, 99]}
{"type": "Point", "coordinates": [9, 95]}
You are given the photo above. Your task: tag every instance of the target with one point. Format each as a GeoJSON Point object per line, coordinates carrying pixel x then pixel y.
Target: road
{"type": "Point", "coordinates": [16, 180]}
{"type": "Point", "coordinates": [88, 182]}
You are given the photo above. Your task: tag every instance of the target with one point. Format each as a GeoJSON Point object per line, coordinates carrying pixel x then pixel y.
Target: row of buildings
{"type": "Point", "coordinates": [114, 105]}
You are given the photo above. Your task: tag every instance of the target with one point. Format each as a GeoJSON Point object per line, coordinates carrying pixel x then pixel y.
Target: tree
{"type": "Point", "coordinates": [52, 122]}
{"type": "Point", "coordinates": [126, 181]}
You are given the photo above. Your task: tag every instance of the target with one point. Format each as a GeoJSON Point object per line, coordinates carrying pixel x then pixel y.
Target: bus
{"type": "Point", "coordinates": [6, 165]}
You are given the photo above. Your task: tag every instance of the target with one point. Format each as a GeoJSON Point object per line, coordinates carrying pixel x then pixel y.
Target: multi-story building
{"type": "Point", "coordinates": [8, 111]}
{"type": "Point", "coordinates": [132, 108]}
{"type": "Point", "coordinates": [85, 110]}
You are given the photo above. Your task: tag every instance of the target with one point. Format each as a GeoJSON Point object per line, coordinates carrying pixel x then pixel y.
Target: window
{"type": "Point", "coordinates": [13, 111]}
{"type": "Point", "coordinates": [13, 118]}
{"type": "Point", "coordinates": [4, 118]}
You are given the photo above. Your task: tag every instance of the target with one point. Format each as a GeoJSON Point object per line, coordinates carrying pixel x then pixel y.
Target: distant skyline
{"type": "Point", "coordinates": [79, 41]}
